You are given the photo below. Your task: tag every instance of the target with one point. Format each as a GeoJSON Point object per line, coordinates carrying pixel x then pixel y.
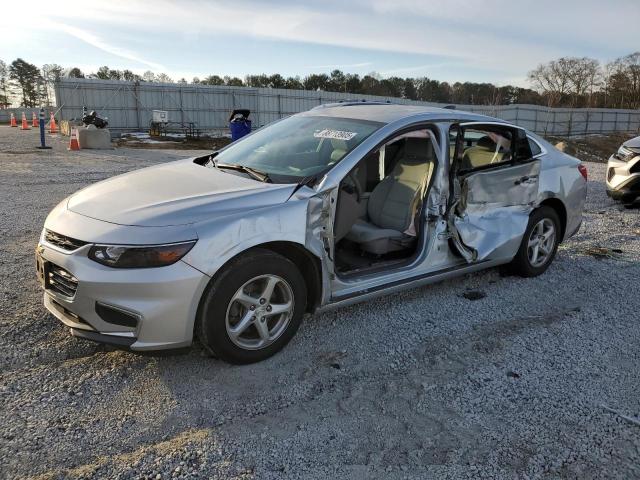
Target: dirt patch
{"type": "Point", "coordinates": [603, 252]}
{"type": "Point", "coordinates": [174, 143]}
{"type": "Point", "coordinates": [20, 152]}
{"type": "Point", "coordinates": [592, 148]}
{"type": "Point", "coordinates": [474, 295]}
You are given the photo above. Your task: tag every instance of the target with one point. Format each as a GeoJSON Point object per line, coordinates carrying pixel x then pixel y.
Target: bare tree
{"type": "Point", "coordinates": [552, 80]}
{"type": "Point", "coordinates": [583, 75]}
{"type": "Point", "coordinates": [163, 78]}
{"type": "Point", "coordinates": [51, 73]}
{"type": "Point", "coordinates": [623, 83]}
{"type": "Point", "coordinates": [149, 76]}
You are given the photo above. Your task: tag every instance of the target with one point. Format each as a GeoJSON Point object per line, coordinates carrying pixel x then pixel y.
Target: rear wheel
{"type": "Point", "coordinates": [539, 244]}
{"type": "Point", "coordinates": [252, 308]}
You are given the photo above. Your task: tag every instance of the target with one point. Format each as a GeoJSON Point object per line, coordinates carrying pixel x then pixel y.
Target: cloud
{"type": "Point", "coordinates": [101, 44]}
{"type": "Point", "coordinates": [420, 68]}
{"type": "Point", "coordinates": [494, 39]}
{"type": "Point", "coordinates": [568, 25]}
{"type": "Point", "coordinates": [334, 66]}
{"type": "Point", "coordinates": [363, 29]}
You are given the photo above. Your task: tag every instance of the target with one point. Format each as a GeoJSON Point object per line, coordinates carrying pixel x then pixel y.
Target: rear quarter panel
{"type": "Point", "coordinates": [561, 179]}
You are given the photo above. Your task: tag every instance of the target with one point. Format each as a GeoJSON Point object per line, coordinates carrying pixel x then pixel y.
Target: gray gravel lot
{"type": "Point", "coordinates": [423, 384]}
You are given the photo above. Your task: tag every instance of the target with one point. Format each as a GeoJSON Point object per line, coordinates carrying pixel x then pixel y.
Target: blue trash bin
{"type": "Point", "coordinates": [239, 124]}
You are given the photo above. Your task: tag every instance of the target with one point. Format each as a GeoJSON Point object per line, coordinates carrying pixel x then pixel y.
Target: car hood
{"type": "Point", "coordinates": [633, 143]}
{"type": "Point", "coordinates": [175, 193]}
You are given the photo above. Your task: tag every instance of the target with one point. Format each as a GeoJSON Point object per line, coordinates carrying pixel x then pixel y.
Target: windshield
{"type": "Point", "coordinates": [298, 146]}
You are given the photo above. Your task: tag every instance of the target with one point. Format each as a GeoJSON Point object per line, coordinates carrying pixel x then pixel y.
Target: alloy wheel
{"type": "Point", "coordinates": [259, 312]}
{"type": "Point", "coordinates": [541, 242]}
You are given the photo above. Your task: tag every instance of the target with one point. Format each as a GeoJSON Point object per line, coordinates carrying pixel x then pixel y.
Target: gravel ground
{"type": "Point", "coordinates": [482, 377]}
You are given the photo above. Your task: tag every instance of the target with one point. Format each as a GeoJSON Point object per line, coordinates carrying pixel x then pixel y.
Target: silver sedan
{"type": "Point", "coordinates": [321, 209]}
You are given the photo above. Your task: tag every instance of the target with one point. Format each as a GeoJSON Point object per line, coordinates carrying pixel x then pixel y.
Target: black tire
{"type": "Point", "coordinates": [211, 326]}
{"type": "Point", "coordinates": [521, 264]}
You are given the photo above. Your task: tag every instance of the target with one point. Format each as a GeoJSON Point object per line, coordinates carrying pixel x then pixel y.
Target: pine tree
{"type": "Point", "coordinates": [28, 79]}
{"type": "Point", "coordinates": [4, 85]}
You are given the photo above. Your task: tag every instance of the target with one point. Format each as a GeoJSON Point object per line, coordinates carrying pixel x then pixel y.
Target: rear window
{"type": "Point", "coordinates": [535, 148]}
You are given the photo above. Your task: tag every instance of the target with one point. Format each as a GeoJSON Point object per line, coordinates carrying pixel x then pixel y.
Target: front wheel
{"type": "Point", "coordinates": [539, 244]}
{"type": "Point", "coordinates": [252, 308]}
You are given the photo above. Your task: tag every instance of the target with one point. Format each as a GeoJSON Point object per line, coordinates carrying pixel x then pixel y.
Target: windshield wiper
{"type": "Point", "coordinates": [257, 174]}
{"type": "Point", "coordinates": [309, 180]}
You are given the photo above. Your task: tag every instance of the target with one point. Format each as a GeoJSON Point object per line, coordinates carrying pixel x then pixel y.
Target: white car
{"type": "Point", "coordinates": [623, 172]}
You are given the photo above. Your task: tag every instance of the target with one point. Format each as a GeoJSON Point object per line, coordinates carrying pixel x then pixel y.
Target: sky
{"type": "Point", "coordinates": [496, 41]}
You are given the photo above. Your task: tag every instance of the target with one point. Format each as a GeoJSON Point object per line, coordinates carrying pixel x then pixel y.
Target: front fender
{"type": "Point", "coordinates": [222, 239]}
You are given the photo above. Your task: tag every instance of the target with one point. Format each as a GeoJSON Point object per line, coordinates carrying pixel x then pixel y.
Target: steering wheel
{"type": "Point", "coordinates": [356, 184]}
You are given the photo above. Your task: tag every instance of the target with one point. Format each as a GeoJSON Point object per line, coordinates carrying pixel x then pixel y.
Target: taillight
{"type": "Point", "coordinates": [583, 171]}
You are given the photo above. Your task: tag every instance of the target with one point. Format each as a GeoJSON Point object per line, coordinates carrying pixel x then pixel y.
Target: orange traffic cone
{"type": "Point", "coordinates": [53, 128]}
{"type": "Point", "coordinates": [73, 141]}
{"type": "Point", "coordinates": [13, 121]}
{"type": "Point", "coordinates": [34, 120]}
{"type": "Point", "coordinates": [25, 125]}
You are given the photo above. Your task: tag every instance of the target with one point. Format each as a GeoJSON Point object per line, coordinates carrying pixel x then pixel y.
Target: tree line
{"type": "Point", "coordinates": [565, 82]}
{"type": "Point", "coordinates": [584, 82]}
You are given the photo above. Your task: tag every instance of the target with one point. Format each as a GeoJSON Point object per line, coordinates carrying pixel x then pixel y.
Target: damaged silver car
{"type": "Point", "coordinates": [321, 209]}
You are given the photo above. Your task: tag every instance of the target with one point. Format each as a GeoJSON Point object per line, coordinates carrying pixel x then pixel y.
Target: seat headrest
{"type": "Point", "coordinates": [486, 142]}
{"type": "Point", "coordinates": [337, 154]}
{"type": "Point", "coordinates": [339, 144]}
{"type": "Point", "coordinates": [339, 149]}
{"type": "Point", "coordinates": [417, 149]}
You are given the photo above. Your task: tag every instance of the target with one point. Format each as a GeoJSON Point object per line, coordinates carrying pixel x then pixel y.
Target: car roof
{"type": "Point", "coordinates": [391, 112]}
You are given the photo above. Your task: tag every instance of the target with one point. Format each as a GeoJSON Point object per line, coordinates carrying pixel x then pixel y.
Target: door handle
{"type": "Point", "coordinates": [522, 180]}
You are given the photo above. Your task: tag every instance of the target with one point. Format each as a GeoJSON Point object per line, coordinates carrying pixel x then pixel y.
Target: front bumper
{"type": "Point", "coordinates": [158, 305]}
{"type": "Point", "coordinates": [623, 178]}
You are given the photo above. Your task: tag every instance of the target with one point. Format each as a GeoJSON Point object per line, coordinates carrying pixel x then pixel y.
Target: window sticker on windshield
{"type": "Point", "coordinates": [335, 134]}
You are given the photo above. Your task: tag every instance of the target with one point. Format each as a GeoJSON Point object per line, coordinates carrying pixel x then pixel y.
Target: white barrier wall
{"type": "Point", "coordinates": [128, 106]}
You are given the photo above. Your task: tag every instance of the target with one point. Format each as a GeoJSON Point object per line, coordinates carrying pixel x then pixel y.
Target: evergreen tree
{"type": "Point", "coordinates": [74, 72]}
{"type": "Point", "coordinates": [4, 85]}
{"type": "Point", "coordinates": [28, 79]}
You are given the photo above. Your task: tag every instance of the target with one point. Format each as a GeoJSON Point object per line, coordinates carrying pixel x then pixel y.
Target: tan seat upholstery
{"type": "Point", "coordinates": [394, 202]}
{"type": "Point", "coordinates": [482, 154]}
{"type": "Point", "coordinates": [339, 150]}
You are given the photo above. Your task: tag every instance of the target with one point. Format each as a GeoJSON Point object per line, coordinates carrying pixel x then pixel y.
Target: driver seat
{"type": "Point", "coordinates": [394, 202]}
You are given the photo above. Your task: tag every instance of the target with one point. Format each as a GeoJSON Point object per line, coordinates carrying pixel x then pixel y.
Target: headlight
{"type": "Point", "coordinates": [625, 153]}
{"type": "Point", "coordinates": [119, 256]}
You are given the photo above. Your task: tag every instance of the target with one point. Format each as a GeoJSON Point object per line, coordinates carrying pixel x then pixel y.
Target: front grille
{"type": "Point", "coordinates": [62, 241]}
{"type": "Point", "coordinates": [61, 281]}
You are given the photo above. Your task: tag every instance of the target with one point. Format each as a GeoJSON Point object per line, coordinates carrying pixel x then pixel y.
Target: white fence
{"type": "Point", "coordinates": [128, 106]}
